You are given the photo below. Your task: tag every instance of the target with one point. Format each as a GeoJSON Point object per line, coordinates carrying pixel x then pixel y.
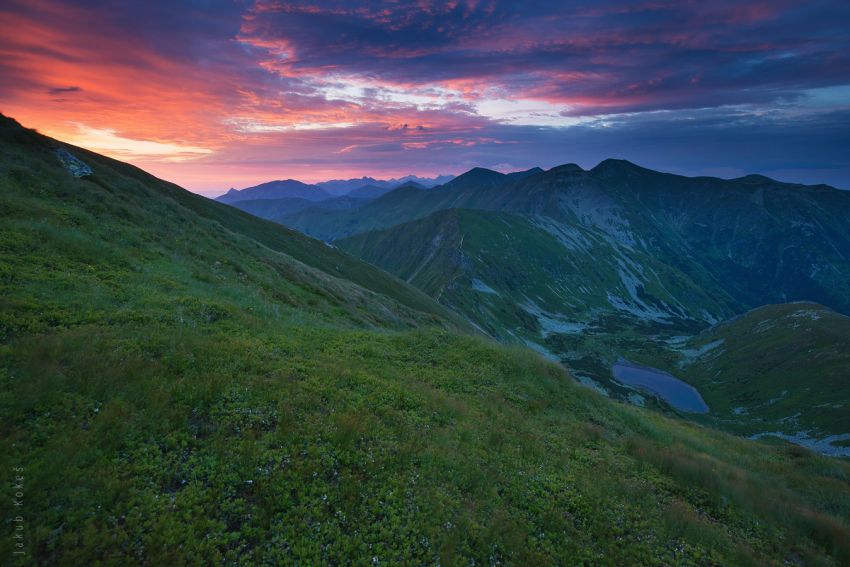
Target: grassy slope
{"type": "Point", "coordinates": [197, 237]}
{"type": "Point", "coordinates": [569, 278]}
{"type": "Point", "coordinates": [178, 392]}
{"type": "Point", "coordinates": [540, 288]}
{"type": "Point", "coordinates": [785, 367]}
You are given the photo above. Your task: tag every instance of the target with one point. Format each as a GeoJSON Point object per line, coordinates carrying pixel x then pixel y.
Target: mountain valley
{"type": "Point", "coordinates": [588, 267]}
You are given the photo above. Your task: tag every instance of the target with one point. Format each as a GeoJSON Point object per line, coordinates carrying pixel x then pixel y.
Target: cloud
{"type": "Point", "coordinates": [218, 93]}
{"type": "Point", "coordinates": [63, 90]}
{"type": "Point", "coordinates": [594, 57]}
{"type": "Point", "coordinates": [108, 142]}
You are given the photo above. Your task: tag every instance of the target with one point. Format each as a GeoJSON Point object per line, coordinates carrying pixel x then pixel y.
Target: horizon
{"type": "Point", "coordinates": [231, 95]}
{"type": "Point", "coordinates": [215, 194]}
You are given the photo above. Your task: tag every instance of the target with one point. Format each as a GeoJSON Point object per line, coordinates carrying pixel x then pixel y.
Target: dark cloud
{"type": "Point", "coordinates": [608, 56]}
{"type": "Point", "coordinates": [63, 90]}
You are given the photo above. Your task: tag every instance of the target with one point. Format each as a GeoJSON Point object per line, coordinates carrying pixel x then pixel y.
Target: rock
{"type": "Point", "coordinates": [76, 167]}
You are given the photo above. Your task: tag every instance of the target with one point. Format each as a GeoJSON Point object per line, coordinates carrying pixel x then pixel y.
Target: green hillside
{"type": "Point", "coordinates": [400, 205]}
{"type": "Point", "coordinates": [566, 292]}
{"type": "Point", "coordinates": [780, 368]}
{"type": "Point", "coordinates": [183, 383]}
{"type": "Point", "coordinates": [102, 247]}
{"type": "Point", "coordinates": [512, 274]}
{"type": "Point", "coordinates": [517, 282]}
{"type": "Point", "coordinates": [745, 242]}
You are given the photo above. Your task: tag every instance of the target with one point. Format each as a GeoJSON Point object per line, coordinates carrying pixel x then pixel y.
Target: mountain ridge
{"type": "Point", "coordinates": [289, 188]}
{"type": "Point", "coordinates": [501, 195]}
{"type": "Point", "coordinates": [346, 186]}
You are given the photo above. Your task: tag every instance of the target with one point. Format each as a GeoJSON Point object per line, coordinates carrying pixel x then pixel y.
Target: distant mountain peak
{"type": "Point", "coordinates": [517, 175]}
{"type": "Point", "coordinates": [481, 171]}
{"type": "Point", "coordinates": [754, 179]}
{"type": "Point", "coordinates": [612, 165]}
{"type": "Point", "coordinates": [278, 189]}
{"type": "Point", "coordinates": [345, 186]}
{"type": "Point", "coordinates": [567, 168]}
{"type": "Point", "coordinates": [478, 176]}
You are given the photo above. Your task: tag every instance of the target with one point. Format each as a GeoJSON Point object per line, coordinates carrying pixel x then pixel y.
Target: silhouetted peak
{"type": "Point", "coordinates": [277, 189]}
{"type": "Point", "coordinates": [516, 175]}
{"type": "Point", "coordinates": [567, 168]}
{"type": "Point", "coordinates": [482, 172]}
{"type": "Point", "coordinates": [282, 183]}
{"type": "Point", "coordinates": [478, 176]}
{"type": "Point", "coordinates": [613, 166]}
{"type": "Point", "coordinates": [754, 179]}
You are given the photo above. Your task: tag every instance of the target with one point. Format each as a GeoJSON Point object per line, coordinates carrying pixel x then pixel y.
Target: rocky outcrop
{"type": "Point", "coordinates": [75, 166]}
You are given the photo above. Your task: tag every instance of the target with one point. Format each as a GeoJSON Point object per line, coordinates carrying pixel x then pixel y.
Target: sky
{"type": "Point", "coordinates": [217, 94]}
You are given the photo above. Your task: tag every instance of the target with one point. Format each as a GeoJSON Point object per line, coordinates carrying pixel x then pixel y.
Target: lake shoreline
{"type": "Point", "coordinates": [675, 392]}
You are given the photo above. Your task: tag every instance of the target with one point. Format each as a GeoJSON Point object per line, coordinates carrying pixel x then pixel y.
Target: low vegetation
{"type": "Point", "coordinates": [181, 386]}
{"type": "Point", "coordinates": [781, 368]}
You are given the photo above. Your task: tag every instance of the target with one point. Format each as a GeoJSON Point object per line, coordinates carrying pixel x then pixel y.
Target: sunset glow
{"type": "Point", "coordinates": [233, 94]}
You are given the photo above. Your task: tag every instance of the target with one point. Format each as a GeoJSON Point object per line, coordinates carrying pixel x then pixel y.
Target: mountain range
{"type": "Point", "coordinates": [618, 261]}
{"type": "Point", "coordinates": [347, 186]}
{"type": "Point", "coordinates": [288, 188]}
{"type": "Point", "coordinates": [363, 188]}
{"type": "Point", "coordinates": [185, 383]}
{"type": "Point", "coordinates": [277, 200]}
